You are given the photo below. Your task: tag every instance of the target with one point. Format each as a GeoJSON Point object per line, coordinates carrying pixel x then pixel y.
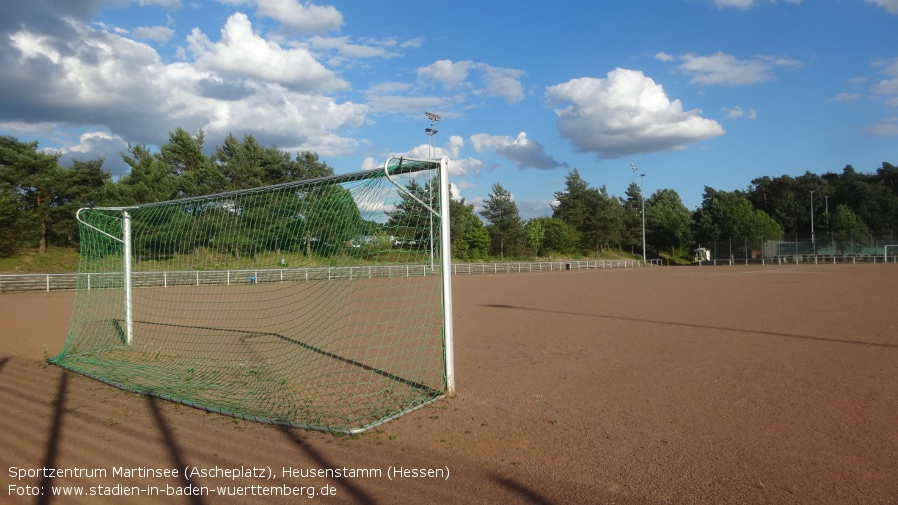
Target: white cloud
{"type": "Point", "coordinates": [96, 144]}
{"type": "Point", "coordinates": [454, 192]}
{"type": "Point", "coordinates": [625, 113]}
{"type": "Point", "coordinates": [155, 33]}
{"type": "Point", "coordinates": [889, 66]}
{"type": "Point", "coordinates": [747, 4]}
{"type": "Point", "coordinates": [466, 185]}
{"type": "Point", "coordinates": [462, 80]}
{"type": "Point", "coordinates": [454, 146]}
{"type": "Point", "coordinates": [242, 53]}
{"type": "Point", "coordinates": [502, 82]}
{"type": "Point", "coordinates": [172, 4]}
{"type": "Point", "coordinates": [307, 18]}
{"type": "Point", "coordinates": [721, 68]}
{"type": "Point", "coordinates": [663, 57]}
{"type": "Point", "coordinates": [348, 49]}
{"type": "Point", "coordinates": [448, 73]}
{"type": "Point", "coordinates": [402, 104]}
{"type": "Point", "coordinates": [889, 129]}
{"type": "Point", "coordinates": [738, 112]}
{"type": "Point", "coordinates": [525, 153]}
{"type": "Point", "coordinates": [529, 209]}
{"type": "Point", "coordinates": [739, 4]}
{"type": "Point", "coordinates": [140, 98]}
{"type": "Point", "coordinates": [846, 97]}
{"type": "Point", "coordinates": [889, 5]}
{"type": "Point", "coordinates": [459, 167]}
{"type": "Point", "coordinates": [887, 87]}
{"type": "Point", "coordinates": [488, 80]}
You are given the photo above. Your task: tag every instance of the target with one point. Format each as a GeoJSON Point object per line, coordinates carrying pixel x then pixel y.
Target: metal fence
{"type": "Point", "coordinates": [57, 282]}
{"type": "Point", "coordinates": [799, 248]}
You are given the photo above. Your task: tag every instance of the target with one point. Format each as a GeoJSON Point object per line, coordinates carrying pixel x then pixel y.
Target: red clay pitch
{"type": "Point", "coordinates": [726, 385]}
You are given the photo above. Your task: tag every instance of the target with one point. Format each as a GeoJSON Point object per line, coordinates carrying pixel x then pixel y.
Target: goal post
{"type": "Point", "coordinates": [323, 304]}
{"type": "Point", "coordinates": [890, 251]}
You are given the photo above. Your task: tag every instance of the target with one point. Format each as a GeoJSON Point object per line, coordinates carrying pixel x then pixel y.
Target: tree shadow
{"type": "Point", "coordinates": [528, 495]}
{"type": "Point", "coordinates": [702, 326]}
{"type": "Point", "coordinates": [3, 362]}
{"type": "Point", "coordinates": [174, 449]}
{"type": "Point", "coordinates": [360, 495]}
{"type": "Point", "coordinates": [51, 452]}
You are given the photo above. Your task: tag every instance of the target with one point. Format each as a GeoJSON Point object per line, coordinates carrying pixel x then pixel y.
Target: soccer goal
{"type": "Point", "coordinates": [890, 253]}
{"type": "Point", "coordinates": [322, 304]}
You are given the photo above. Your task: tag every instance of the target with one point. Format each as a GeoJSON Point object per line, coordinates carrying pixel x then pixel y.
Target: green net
{"type": "Point", "coordinates": [314, 304]}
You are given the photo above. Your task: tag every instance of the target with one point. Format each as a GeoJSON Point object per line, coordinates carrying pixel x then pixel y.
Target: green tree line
{"type": "Point", "coordinates": [38, 200]}
{"type": "Point", "coordinates": [585, 220]}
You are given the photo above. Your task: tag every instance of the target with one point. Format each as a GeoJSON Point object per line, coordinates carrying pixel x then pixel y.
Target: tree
{"type": "Point", "coordinates": [726, 215]}
{"type": "Point", "coordinates": [536, 234]}
{"type": "Point", "coordinates": [86, 185]}
{"type": "Point", "coordinates": [10, 225]}
{"type": "Point", "coordinates": [469, 239]}
{"type": "Point", "coordinates": [241, 163]}
{"type": "Point", "coordinates": [306, 166]}
{"type": "Point", "coordinates": [598, 218]}
{"type": "Point", "coordinates": [501, 212]}
{"type": "Point", "coordinates": [668, 221]}
{"type": "Point", "coordinates": [247, 164]}
{"type": "Point", "coordinates": [571, 206]}
{"type": "Point", "coordinates": [149, 179]}
{"type": "Point", "coordinates": [788, 199]}
{"type": "Point", "coordinates": [409, 221]}
{"type": "Point", "coordinates": [603, 220]}
{"type": "Point", "coordinates": [36, 182]}
{"type": "Point", "coordinates": [194, 172]}
{"type": "Point", "coordinates": [849, 230]}
{"type": "Point", "coordinates": [631, 234]}
{"type": "Point", "coordinates": [560, 237]}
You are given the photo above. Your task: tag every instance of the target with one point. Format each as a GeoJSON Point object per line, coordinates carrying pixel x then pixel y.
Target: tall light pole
{"type": "Point", "coordinates": [431, 145]}
{"type": "Point", "coordinates": [431, 132]}
{"type": "Point", "coordinates": [641, 197]}
{"type": "Point", "coordinates": [813, 242]}
{"type": "Point", "coordinates": [642, 194]}
{"type": "Point", "coordinates": [829, 226]}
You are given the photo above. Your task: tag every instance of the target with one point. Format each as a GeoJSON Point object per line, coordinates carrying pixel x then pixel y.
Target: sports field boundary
{"type": "Point", "coordinates": [17, 283]}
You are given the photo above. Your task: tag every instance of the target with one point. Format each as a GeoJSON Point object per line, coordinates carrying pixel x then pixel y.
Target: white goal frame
{"type": "Point", "coordinates": [392, 167]}
{"type": "Point", "coordinates": [885, 252]}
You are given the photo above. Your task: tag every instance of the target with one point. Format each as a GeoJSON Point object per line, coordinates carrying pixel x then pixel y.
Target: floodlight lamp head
{"type": "Point", "coordinates": [430, 131]}
{"type": "Point", "coordinates": [431, 116]}
{"type": "Point", "coordinates": [633, 166]}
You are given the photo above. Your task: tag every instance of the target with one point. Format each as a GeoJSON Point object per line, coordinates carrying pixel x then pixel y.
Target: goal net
{"type": "Point", "coordinates": [322, 304]}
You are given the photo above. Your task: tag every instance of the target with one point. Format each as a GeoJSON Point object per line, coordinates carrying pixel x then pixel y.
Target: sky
{"type": "Point", "coordinates": [694, 93]}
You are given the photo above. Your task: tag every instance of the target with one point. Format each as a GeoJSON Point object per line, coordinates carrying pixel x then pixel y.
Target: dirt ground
{"type": "Point", "coordinates": [669, 385]}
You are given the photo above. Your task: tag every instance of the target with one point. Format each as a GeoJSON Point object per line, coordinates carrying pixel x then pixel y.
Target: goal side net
{"type": "Point", "coordinates": [322, 304]}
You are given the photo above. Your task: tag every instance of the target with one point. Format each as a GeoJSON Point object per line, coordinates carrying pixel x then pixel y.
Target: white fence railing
{"type": "Point", "coordinates": [61, 282]}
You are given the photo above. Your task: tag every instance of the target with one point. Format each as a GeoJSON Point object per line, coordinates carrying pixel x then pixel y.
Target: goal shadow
{"type": "Point", "coordinates": [260, 376]}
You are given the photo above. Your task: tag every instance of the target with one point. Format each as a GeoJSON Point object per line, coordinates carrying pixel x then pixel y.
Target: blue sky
{"type": "Point", "coordinates": [694, 92]}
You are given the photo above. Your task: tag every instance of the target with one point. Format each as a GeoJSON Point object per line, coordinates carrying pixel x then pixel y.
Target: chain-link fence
{"type": "Point", "coordinates": [799, 248]}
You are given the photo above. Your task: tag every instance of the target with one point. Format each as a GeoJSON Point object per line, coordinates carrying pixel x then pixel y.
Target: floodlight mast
{"type": "Point", "coordinates": [813, 239]}
{"type": "Point", "coordinates": [641, 197]}
{"type": "Point", "coordinates": [431, 147]}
